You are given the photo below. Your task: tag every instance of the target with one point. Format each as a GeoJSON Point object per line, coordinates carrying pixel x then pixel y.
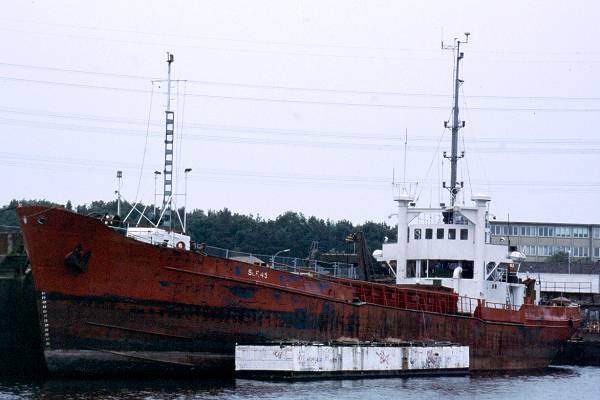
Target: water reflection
{"type": "Point", "coordinates": [561, 383]}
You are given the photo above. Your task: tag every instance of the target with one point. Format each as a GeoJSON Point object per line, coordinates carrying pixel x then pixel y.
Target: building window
{"type": "Point", "coordinates": [464, 234]}
{"type": "Point", "coordinates": [580, 232]}
{"type": "Point", "coordinates": [596, 233]}
{"type": "Point", "coordinates": [596, 251]}
{"type": "Point", "coordinates": [528, 250]}
{"type": "Point", "coordinates": [527, 231]}
{"type": "Point", "coordinates": [544, 250]}
{"type": "Point", "coordinates": [580, 252]}
{"type": "Point", "coordinates": [440, 233]}
{"type": "Point", "coordinates": [452, 234]}
{"type": "Point", "coordinates": [428, 233]}
{"type": "Point", "coordinates": [417, 233]}
{"type": "Point", "coordinates": [563, 231]}
{"type": "Point", "coordinates": [545, 231]}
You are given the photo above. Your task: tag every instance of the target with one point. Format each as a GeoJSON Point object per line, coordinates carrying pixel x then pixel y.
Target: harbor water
{"type": "Point", "coordinates": [557, 383]}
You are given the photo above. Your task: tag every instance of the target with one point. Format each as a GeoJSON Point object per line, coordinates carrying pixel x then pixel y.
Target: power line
{"type": "Point", "coordinates": [368, 146]}
{"type": "Point", "coordinates": [217, 38]}
{"type": "Point", "coordinates": [290, 53]}
{"type": "Point", "coordinates": [222, 49]}
{"type": "Point", "coordinates": [303, 101]}
{"type": "Point", "coordinates": [77, 71]}
{"type": "Point", "coordinates": [263, 174]}
{"type": "Point", "coordinates": [71, 84]}
{"type": "Point", "coordinates": [300, 88]}
{"type": "Point", "coordinates": [296, 44]}
{"type": "Point", "coordinates": [358, 141]}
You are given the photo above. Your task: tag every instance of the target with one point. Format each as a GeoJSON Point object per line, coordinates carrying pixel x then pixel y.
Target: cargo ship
{"type": "Point", "coordinates": [118, 297]}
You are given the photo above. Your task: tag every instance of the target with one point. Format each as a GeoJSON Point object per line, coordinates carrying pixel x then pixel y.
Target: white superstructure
{"type": "Point", "coordinates": [455, 253]}
{"type": "Point", "coordinates": [451, 246]}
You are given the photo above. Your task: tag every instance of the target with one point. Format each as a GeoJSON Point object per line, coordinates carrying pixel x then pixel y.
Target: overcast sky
{"type": "Point", "coordinates": [304, 105]}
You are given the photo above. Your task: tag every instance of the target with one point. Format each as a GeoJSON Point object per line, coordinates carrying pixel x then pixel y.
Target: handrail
{"type": "Point", "coordinates": [293, 264]}
{"type": "Point", "coordinates": [390, 295]}
{"type": "Point", "coordinates": [564, 286]}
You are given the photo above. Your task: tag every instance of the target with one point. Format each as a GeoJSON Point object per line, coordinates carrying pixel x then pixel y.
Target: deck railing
{"type": "Point", "coordinates": [566, 287]}
{"type": "Point", "coordinates": [404, 297]}
{"type": "Point", "coordinates": [421, 299]}
{"type": "Point", "coordinates": [290, 264]}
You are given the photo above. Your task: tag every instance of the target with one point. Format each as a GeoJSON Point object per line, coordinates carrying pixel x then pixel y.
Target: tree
{"type": "Point", "coordinates": [559, 257]}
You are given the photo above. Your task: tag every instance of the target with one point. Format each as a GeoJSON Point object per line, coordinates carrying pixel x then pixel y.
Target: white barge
{"type": "Point", "coordinates": [315, 361]}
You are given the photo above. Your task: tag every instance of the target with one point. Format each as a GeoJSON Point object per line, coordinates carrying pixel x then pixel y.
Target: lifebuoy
{"type": "Point", "coordinates": [180, 245]}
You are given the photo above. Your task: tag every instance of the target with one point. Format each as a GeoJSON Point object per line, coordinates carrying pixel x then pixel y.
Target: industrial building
{"type": "Point", "coordinates": [541, 240]}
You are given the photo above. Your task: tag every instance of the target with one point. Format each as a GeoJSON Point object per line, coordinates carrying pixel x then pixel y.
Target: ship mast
{"type": "Point", "coordinates": [168, 170]}
{"type": "Point", "coordinates": [455, 187]}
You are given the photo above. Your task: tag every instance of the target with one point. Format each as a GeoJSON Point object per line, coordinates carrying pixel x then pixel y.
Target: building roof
{"type": "Point", "coordinates": [543, 223]}
{"type": "Point", "coordinates": [560, 268]}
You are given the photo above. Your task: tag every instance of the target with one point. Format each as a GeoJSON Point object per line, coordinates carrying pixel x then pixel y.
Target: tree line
{"type": "Point", "coordinates": [240, 232]}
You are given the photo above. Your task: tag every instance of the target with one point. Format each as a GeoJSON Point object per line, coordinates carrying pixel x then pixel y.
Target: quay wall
{"type": "Point", "coordinates": [20, 344]}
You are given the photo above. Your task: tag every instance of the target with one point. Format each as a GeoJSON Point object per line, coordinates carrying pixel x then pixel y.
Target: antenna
{"type": "Point", "coordinates": [454, 187]}
{"type": "Point", "coordinates": [509, 231]}
{"type": "Point", "coordinates": [118, 192]}
{"type": "Point", "coordinates": [169, 136]}
{"type": "Point", "coordinates": [405, 145]}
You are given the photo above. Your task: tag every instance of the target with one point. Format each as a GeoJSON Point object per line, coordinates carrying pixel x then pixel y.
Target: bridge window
{"type": "Point", "coordinates": [464, 234]}
{"type": "Point", "coordinates": [428, 233]}
{"type": "Point", "coordinates": [440, 233]}
{"type": "Point", "coordinates": [452, 234]}
{"type": "Point", "coordinates": [411, 268]}
{"type": "Point", "coordinates": [445, 268]}
{"type": "Point", "coordinates": [417, 233]}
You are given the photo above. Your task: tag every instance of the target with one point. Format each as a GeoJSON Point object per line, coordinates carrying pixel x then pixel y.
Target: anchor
{"type": "Point", "coordinates": [76, 260]}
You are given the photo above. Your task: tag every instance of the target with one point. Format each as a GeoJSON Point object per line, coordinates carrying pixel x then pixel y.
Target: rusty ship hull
{"type": "Point", "coordinates": [146, 308]}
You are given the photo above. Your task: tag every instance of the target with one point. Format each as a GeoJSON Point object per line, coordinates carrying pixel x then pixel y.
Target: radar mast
{"type": "Point", "coordinates": [455, 186]}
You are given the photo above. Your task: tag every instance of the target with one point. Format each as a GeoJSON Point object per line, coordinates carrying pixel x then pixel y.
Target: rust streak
{"type": "Point", "coordinates": [118, 353]}
{"type": "Point", "coordinates": [258, 283]}
{"type": "Point", "coordinates": [137, 330]}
